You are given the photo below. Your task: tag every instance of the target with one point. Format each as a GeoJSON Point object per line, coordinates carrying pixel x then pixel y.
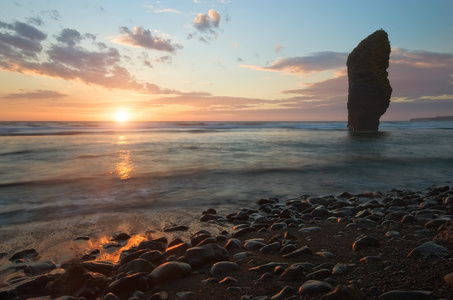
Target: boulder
{"type": "Point", "coordinates": [369, 87]}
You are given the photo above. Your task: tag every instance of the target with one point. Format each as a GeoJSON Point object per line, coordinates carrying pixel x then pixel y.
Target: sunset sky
{"type": "Point", "coordinates": [215, 60]}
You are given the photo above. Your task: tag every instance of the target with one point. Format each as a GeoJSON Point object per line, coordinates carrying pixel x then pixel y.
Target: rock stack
{"type": "Point", "coordinates": [369, 87]}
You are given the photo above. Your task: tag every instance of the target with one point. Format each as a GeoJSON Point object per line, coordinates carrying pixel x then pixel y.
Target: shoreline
{"type": "Point", "coordinates": [322, 229]}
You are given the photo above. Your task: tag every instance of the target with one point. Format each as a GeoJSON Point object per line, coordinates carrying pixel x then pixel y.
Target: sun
{"type": "Point", "coordinates": [121, 116]}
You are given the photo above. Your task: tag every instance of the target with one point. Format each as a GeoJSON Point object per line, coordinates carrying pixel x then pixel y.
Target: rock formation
{"type": "Point", "coordinates": [369, 87]}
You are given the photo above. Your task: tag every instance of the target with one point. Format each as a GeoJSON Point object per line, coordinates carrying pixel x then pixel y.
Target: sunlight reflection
{"type": "Point", "coordinates": [122, 140]}
{"type": "Point", "coordinates": [113, 253]}
{"type": "Point", "coordinates": [124, 167]}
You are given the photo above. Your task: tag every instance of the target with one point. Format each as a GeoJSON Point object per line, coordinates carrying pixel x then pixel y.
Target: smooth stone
{"type": "Point", "coordinates": [284, 293]}
{"type": "Point", "coordinates": [449, 278]}
{"type": "Point", "coordinates": [233, 244]}
{"type": "Point", "coordinates": [294, 272]}
{"type": "Point", "coordinates": [180, 248]}
{"type": "Point", "coordinates": [435, 223]}
{"type": "Point", "coordinates": [24, 254]}
{"type": "Point", "coordinates": [271, 248]}
{"type": "Point", "coordinates": [177, 228]}
{"type": "Point", "coordinates": [430, 249]}
{"type": "Point", "coordinates": [269, 267]}
{"type": "Point", "coordinates": [103, 267]}
{"type": "Point", "coordinates": [287, 249]}
{"type": "Point", "coordinates": [130, 257]}
{"type": "Point", "coordinates": [110, 296]}
{"type": "Point", "coordinates": [324, 254]}
{"type": "Point", "coordinates": [264, 278]}
{"type": "Point", "coordinates": [209, 217]}
{"type": "Point", "coordinates": [210, 211]}
{"type": "Point", "coordinates": [137, 265]}
{"type": "Point", "coordinates": [169, 271]}
{"type": "Point", "coordinates": [314, 286]}
{"type": "Point", "coordinates": [121, 236]}
{"type": "Point", "coordinates": [228, 280]}
{"type": "Point", "coordinates": [243, 231]}
{"type": "Point", "coordinates": [408, 219]}
{"type": "Point", "coordinates": [82, 238]}
{"type": "Point", "coordinates": [198, 256]}
{"type": "Point", "coordinates": [319, 274]}
{"type": "Point", "coordinates": [153, 245]}
{"type": "Point", "coordinates": [209, 240]}
{"type": "Point", "coordinates": [345, 292]}
{"type": "Point", "coordinates": [35, 285]}
{"type": "Point", "coordinates": [406, 295]}
{"type": "Point", "coordinates": [154, 256]}
{"type": "Point", "coordinates": [339, 269]}
{"type": "Point", "coordinates": [70, 281]}
{"type": "Point", "coordinates": [301, 251]}
{"type": "Point", "coordinates": [39, 268]}
{"type": "Point", "coordinates": [127, 285]}
{"type": "Point", "coordinates": [309, 229]}
{"type": "Point", "coordinates": [392, 233]}
{"type": "Point", "coordinates": [371, 259]}
{"type": "Point", "coordinates": [223, 268]}
{"type": "Point", "coordinates": [365, 242]}
{"type": "Point", "coordinates": [185, 295]}
{"type": "Point", "coordinates": [254, 245]}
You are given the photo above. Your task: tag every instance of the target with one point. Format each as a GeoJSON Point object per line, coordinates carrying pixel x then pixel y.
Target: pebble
{"type": "Point", "coordinates": [309, 229]}
{"type": "Point", "coordinates": [170, 271]}
{"type": "Point", "coordinates": [319, 274]}
{"type": "Point", "coordinates": [430, 249]}
{"type": "Point", "coordinates": [392, 233]}
{"type": "Point", "coordinates": [153, 245]}
{"type": "Point", "coordinates": [346, 293]}
{"type": "Point", "coordinates": [301, 251]}
{"type": "Point", "coordinates": [103, 267]}
{"type": "Point", "coordinates": [365, 242]}
{"type": "Point", "coordinates": [127, 285]}
{"type": "Point", "coordinates": [198, 256]}
{"type": "Point", "coordinates": [252, 245]}
{"type": "Point", "coordinates": [314, 286]}
{"type": "Point", "coordinates": [284, 293]}
{"type": "Point", "coordinates": [269, 267]}
{"type": "Point", "coordinates": [136, 266]}
{"type": "Point", "coordinates": [228, 280]}
{"type": "Point", "coordinates": [185, 295]}
{"type": "Point", "coordinates": [25, 254]}
{"type": "Point", "coordinates": [324, 254]}
{"type": "Point", "coordinates": [121, 236]}
{"type": "Point", "coordinates": [406, 295]}
{"type": "Point", "coordinates": [154, 256]}
{"type": "Point", "coordinates": [339, 269]}
{"type": "Point", "coordinates": [449, 278]}
{"type": "Point", "coordinates": [287, 249]}
{"type": "Point", "coordinates": [271, 248]}
{"type": "Point", "coordinates": [223, 268]}
{"type": "Point", "coordinates": [40, 268]}
{"type": "Point", "coordinates": [294, 272]}
{"type": "Point", "coordinates": [177, 228]}
{"type": "Point", "coordinates": [371, 259]}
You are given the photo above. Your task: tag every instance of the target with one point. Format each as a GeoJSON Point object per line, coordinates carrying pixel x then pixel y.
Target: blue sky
{"type": "Point", "coordinates": [215, 60]}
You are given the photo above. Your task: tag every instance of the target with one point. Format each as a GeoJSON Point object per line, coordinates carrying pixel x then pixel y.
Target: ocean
{"type": "Point", "coordinates": [58, 170]}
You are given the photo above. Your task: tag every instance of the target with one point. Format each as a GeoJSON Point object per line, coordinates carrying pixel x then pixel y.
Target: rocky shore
{"type": "Point", "coordinates": [392, 245]}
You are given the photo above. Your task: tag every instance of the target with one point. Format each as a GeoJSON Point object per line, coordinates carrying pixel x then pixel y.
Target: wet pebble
{"type": "Point", "coordinates": [223, 268]}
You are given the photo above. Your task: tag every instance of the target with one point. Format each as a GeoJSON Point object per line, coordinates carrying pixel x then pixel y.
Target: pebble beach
{"type": "Point", "coordinates": [381, 245]}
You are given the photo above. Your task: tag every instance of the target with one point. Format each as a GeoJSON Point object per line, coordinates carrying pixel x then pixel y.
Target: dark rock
{"type": "Point", "coordinates": [70, 281]}
{"type": "Point", "coordinates": [406, 295]}
{"type": "Point", "coordinates": [228, 280]}
{"type": "Point", "coordinates": [169, 271]}
{"type": "Point", "coordinates": [252, 245]}
{"type": "Point", "coordinates": [110, 296]}
{"type": "Point", "coordinates": [176, 228]}
{"type": "Point", "coordinates": [153, 245]}
{"type": "Point", "coordinates": [342, 292]}
{"type": "Point", "coordinates": [25, 254]}
{"type": "Point", "coordinates": [243, 231]}
{"type": "Point", "coordinates": [176, 249]}
{"type": "Point", "coordinates": [209, 240]}
{"type": "Point", "coordinates": [130, 257]}
{"type": "Point", "coordinates": [449, 278]}
{"type": "Point", "coordinates": [284, 293]}
{"type": "Point", "coordinates": [127, 285]}
{"type": "Point", "coordinates": [271, 248]}
{"type": "Point", "coordinates": [369, 87]}
{"type": "Point", "coordinates": [198, 256]}
{"type": "Point", "coordinates": [154, 256]}
{"type": "Point", "coordinates": [319, 274]}
{"type": "Point", "coordinates": [301, 251]}
{"type": "Point", "coordinates": [294, 272]}
{"type": "Point", "coordinates": [40, 268]}
{"type": "Point", "coordinates": [269, 267]}
{"type": "Point", "coordinates": [445, 232]}
{"type": "Point", "coordinates": [287, 249]}
{"type": "Point", "coordinates": [365, 242]}
{"type": "Point", "coordinates": [233, 244]}
{"type": "Point", "coordinates": [137, 266]}
{"type": "Point", "coordinates": [209, 211]}
{"type": "Point", "coordinates": [430, 249]}
{"type": "Point", "coordinates": [121, 236]}
{"type": "Point", "coordinates": [314, 286]}
{"type": "Point", "coordinates": [408, 219]}
{"type": "Point", "coordinates": [209, 217]}
{"type": "Point", "coordinates": [82, 238]}
{"type": "Point", "coordinates": [185, 295]}
{"type": "Point", "coordinates": [435, 223]}
{"type": "Point", "coordinates": [103, 267]}
{"type": "Point", "coordinates": [199, 236]}
{"type": "Point", "coordinates": [35, 285]}
{"type": "Point", "coordinates": [223, 268]}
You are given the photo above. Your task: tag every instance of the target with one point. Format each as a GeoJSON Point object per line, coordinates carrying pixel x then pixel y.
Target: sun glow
{"type": "Point", "coordinates": [121, 116]}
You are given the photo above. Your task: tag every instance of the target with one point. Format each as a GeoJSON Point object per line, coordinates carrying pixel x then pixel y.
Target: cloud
{"type": "Point", "coordinates": [278, 47]}
{"type": "Point", "coordinates": [207, 22]}
{"type": "Point", "coordinates": [36, 94]}
{"type": "Point", "coordinates": [167, 10]}
{"type": "Point", "coordinates": [25, 49]}
{"type": "Point", "coordinates": [318, 62]}
{"type": "Point", "coordinates": [141, 37]}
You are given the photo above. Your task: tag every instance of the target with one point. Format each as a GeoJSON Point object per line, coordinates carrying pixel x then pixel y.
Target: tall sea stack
{"type": "Point", "coordinates": [369, 87]}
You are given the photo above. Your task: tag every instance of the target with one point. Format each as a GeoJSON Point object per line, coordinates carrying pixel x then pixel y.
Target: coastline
{"type": "Point", "coordinates": [322, 229]}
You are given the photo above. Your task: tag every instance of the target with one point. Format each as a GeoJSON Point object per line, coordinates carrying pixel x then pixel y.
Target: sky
{"type": "Point", "coordinates": [215, 60]}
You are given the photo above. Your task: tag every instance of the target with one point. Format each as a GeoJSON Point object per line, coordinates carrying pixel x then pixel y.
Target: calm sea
{"type": "Point", "coordinates": [54, 170]}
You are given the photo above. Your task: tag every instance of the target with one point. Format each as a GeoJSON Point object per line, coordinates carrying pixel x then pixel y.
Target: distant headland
{"type": "Point", "coordinates": [435, 119]}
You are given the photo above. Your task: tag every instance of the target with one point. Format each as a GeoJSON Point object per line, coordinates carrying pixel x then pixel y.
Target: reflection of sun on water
{"type": "Point", "coordinates": [121, 116]}
{"type": "Point", "coordinates": [124, 166]}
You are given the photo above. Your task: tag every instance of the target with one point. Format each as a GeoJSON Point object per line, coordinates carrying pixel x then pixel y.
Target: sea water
{"type": "Point", "coordinates": [57, 170]}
